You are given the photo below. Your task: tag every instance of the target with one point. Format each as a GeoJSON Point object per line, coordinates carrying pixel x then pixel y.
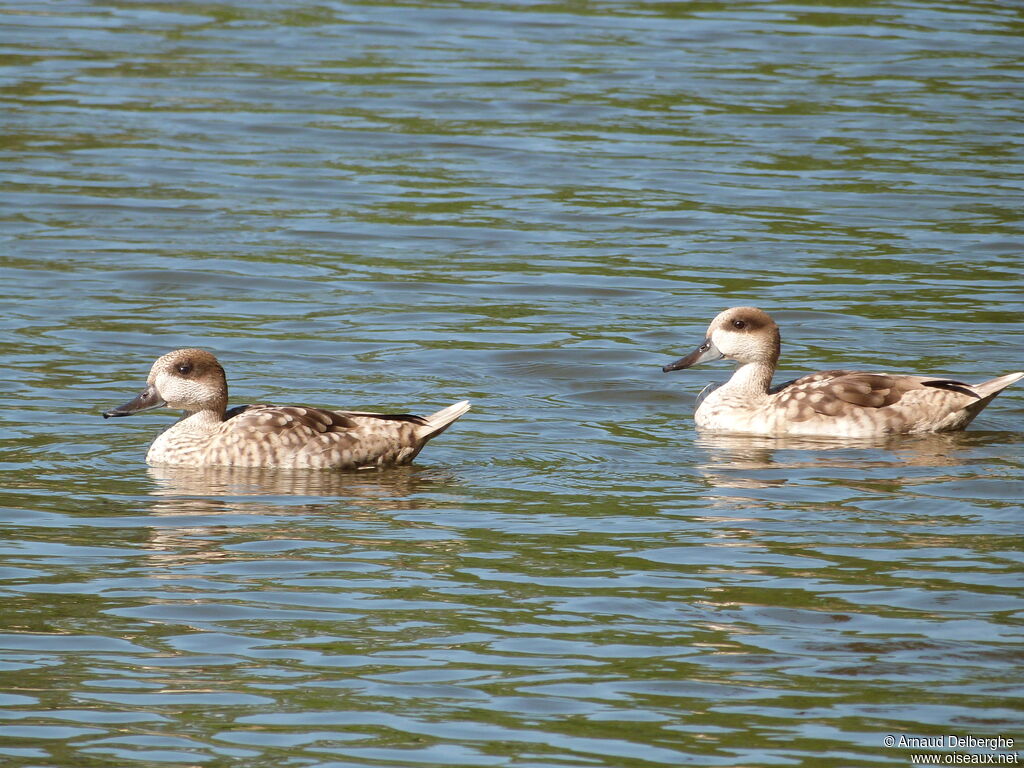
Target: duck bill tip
{"type": "Point", "coordinates": [144, 401]}
{"type": "Point", "coordinates": [704, 353]}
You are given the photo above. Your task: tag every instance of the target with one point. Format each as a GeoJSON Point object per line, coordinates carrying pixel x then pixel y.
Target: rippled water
{"type": "Point", "coordinates": [532, 205]}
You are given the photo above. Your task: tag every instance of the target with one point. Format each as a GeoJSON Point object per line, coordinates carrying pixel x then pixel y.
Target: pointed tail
{"type": "Point", "coordinates": [440, 421]}
{"type": "Point", "coordinates": [992, 387]}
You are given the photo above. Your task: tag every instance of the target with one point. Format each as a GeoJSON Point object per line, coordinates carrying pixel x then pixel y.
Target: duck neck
{"type": "Point", "coordinates": [201, 421]}
{"type": "Point", "coordinates": [752, 379]}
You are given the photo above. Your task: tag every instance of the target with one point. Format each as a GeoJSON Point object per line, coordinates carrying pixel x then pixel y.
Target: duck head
{"type": "Point", "coordinates": [189, 380]}
{"type": "Point", "coordinates": [743, 334]}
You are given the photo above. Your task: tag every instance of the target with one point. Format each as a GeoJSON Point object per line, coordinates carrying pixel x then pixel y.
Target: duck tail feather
{"type": "Point", "coordinates": [438, 422]}
{"type": "Point", "coordinates": [993, 387]}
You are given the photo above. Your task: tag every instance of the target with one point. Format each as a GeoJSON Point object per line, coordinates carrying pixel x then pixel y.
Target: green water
{"type": "Point", "coordinates": [533, 206]}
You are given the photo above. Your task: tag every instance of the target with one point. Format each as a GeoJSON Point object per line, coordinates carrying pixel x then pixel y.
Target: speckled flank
{"type": "Point", "coordinates": [830, 403]}
{"type": "Point", "coordinates": [274, 436]}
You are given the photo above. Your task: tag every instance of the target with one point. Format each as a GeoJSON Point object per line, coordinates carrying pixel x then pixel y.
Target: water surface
{"type": "Point", "coordinates": [533, 206]}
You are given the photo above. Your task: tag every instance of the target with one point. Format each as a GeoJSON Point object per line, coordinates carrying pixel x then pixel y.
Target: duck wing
{"type": "Point", "coordinates": [387, 416]}
{"type": "Point", "coordinates": [283, 418]}
{"type": "Point", "coordinates": [834, 393]}
{"type": "Point", "coordinates": [268, 418]}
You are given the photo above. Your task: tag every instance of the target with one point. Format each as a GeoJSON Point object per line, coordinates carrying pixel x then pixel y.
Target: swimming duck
{"type": "Point", "coordinates": [270, 435]}
{"type": "Point", "coordinates": [830, 403]}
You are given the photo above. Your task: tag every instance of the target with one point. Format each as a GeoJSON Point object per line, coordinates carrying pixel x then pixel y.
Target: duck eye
{"type": "Point", "coordinates": [185, 369]}
{"type": "Point", "coordinates": [739, 324]}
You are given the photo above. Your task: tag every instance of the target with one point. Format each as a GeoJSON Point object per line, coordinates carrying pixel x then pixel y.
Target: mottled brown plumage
{"type": "Point", "coordinates": [831, 403]}
{"type": "Point", "coordinates": [270, 435]}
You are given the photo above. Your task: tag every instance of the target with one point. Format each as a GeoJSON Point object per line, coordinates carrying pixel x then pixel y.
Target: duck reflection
{"type": "Point", "coordinates": [753, 461]}
{"type": "Point", "coordinates": [396, 484]}
{"type": "Point", "coordinates": [224, 503]}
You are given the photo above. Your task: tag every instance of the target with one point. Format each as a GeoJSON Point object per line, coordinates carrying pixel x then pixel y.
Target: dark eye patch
{"type": "Point", "coordinates": [185, 369]}
{"type": "Point", "coordinates": [739, 324]}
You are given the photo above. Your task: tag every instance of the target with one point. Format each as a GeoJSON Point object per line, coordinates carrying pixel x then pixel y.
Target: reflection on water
{"type": "Point", "coordinates": [754, 461]}
{"type": "Point", "coordinates": [374, 486]}
{"type": "Point", "coordinates": [531, 205]}
{"type": "Point", "coordinates": [219, 502]}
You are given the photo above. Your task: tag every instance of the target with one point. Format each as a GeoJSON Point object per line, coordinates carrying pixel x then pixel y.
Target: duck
{"type": "Point", "coordinates": [270, 436]}
{"type": "Point", "coordinates": [837, 403]}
